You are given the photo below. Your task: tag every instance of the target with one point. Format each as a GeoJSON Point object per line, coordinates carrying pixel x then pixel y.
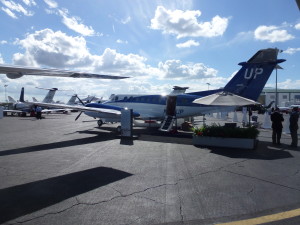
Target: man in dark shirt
{"type": "Point", "coordinates": [276, 118]}
{"type": "Point", "coordinates": [294, 126]}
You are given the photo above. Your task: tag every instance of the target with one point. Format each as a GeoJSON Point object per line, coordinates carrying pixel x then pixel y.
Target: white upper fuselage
{"type": "Point", "coordinates": [154, 106]}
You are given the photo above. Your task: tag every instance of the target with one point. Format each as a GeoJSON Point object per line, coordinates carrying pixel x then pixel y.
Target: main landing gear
{"type": "Point", "coordinates": [100, 123]}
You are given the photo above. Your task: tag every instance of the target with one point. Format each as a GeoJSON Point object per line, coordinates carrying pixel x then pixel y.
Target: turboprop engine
{"type": "Point", "coordinates": [14, 75]}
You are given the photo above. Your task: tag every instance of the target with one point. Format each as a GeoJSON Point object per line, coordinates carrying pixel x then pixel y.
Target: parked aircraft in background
{"type": "Point", "coordinates": [248, 82]}
{"type": "Point", "coordinates": [21, 107]}
{"type": "Point", "coordinates": [13, 72]}
{"type": "Point", "coordinates": [11, 99]}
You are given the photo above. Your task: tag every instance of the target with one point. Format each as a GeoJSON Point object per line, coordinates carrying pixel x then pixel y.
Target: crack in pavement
{"type": "Point", "coordinates": [91, 204]}
{"type": "Point", "coordinates": [267, 181]}
{"type": "Point", "coordinates": [120, 195]}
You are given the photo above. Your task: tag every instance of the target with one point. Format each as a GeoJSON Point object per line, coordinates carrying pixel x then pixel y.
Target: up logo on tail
{"type": "Point", "coordinates": [252, 73]}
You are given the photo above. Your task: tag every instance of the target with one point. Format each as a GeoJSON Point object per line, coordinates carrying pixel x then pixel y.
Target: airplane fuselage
{"type": "Point", "coordinates": [156, 107]}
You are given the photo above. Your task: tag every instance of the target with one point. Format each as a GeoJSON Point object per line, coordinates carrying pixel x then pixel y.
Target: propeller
{"type": "Point", "coordinates": [78, 116]}
{"type": "Point", "coordinates": [81, 111]}
{"type": "Point", "coordinates": [88, 101]}
{"type": "Point", "coordinates": [80, 100]}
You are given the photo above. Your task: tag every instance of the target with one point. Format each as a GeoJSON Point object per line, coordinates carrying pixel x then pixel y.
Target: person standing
{"type": "Point", "coordinates": [38, 112]}
{"type": "Point", "coordinates": [294, 126]}
{"type": "Point", "coordinates": [277, 119]}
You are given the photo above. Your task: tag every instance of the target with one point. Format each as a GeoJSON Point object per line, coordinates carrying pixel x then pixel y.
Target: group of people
{"type": "Point", "coordinates": [277, 119]}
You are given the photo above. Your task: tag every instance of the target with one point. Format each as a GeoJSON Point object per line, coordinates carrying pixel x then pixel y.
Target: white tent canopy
{"type": "Point", "coordinates": [224, 99]}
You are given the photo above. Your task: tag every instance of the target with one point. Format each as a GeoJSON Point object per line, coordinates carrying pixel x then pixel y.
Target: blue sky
{"type": "Point", "coordinates": [159, 44]}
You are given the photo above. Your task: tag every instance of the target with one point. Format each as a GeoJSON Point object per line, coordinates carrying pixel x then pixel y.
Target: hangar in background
{"type": "Point", "coordinates": [286, 97]}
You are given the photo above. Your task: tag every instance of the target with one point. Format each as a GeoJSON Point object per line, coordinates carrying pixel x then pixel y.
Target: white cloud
{"type": "Point", "coordinates": [175, 69]}
{"type": "Point", "coordinates": [75, 24]}
{"type": "Point", "coordinates": [11, 8]}
{"type": "Point", "coordinates": [187, 44]}
{"type": "Point", "coordinates": [46, 48]}
{"type": "Point", "coordinates": [52, 4]}
{"type": "Point", "coordinates": [9, 13]}
{"type": "Point", "coordinates": [126, 20]}
{"type": "Point", "coordinates": [56, 49]}
{"type": "Point", "coordinates": [185, 24]}
{"type": "Point", "coordinates": [272, 34]}
{"type": "Point", "coordinates": [119, 41]}
{"type": "Point", "coordinates": [289, 84]}
{"type": "Point", "coordinates": [291, 51]}
{"type": "Point", "coordinates": [29, 2]}
{"type": "Point", "coordinates": [3, 42]}
{"type": "Point", "coordinates": [297, 26]}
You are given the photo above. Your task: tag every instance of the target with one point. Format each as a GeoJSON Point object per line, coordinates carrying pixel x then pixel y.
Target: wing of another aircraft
{"type": "Point", "coordinates": [14, 72]}
{"type": "Point", "coordinates": [79, 108]}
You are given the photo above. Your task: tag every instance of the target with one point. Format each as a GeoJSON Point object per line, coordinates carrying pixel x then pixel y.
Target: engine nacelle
{"type": "Point", "coordinates": [14, 75]}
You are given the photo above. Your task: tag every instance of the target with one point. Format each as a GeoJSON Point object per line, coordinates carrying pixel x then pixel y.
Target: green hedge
{"type": "Point", "coordinates": [216, 130]}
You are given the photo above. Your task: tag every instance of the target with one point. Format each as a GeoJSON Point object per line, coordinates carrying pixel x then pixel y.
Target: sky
{"type": "Point", "coordinates": [158, 44]}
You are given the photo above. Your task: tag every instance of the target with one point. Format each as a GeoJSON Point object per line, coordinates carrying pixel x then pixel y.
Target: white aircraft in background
{"type": "Point", "coordinates": [11, 99]}
{"type": "Point", "coordinates": [248, 82]}
{"type": "Point", "coordinates": [22, 108]}
{"type": "Point", "coordinates": [14, 72]}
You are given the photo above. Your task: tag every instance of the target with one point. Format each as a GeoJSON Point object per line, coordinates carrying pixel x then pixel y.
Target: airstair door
{"type": "Point", "coordinates": [170, 117]}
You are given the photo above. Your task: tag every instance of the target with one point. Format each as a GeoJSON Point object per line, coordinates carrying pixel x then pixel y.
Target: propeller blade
{"type": "Point", "coordinates": [78, 116]}
{"type": "Point", "coordinates": [80, 100]}
{"type": "Point", "coordinates": [92, 99]}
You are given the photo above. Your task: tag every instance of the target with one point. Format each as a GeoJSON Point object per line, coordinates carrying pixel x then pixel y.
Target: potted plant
{"type": "Point", "coordinates": [222, 136]}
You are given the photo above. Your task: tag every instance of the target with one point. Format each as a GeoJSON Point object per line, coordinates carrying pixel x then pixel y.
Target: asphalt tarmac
{"type": "Point", "coordinates": [58, 171]}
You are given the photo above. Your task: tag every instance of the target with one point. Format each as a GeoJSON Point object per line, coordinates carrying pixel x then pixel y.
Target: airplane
{"type": "Point", "coordinates": [11, 99]}
{"type": "Point", "coordinates": [248, 82]}
{"type": "Point", "coordinates": [14, 72]}
{"type": "Point", "coordinates": [34, 99]}
{"type": "Point", "coordinates": [21, 107]}
{"type": "Point", "coordinates": [71, 101]}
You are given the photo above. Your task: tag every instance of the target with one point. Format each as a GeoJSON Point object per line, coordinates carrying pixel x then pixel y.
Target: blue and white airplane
{"type": "Point", "coordinates": [248, 82]}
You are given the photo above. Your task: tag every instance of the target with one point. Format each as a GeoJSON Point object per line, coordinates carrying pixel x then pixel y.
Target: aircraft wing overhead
{"type": "Point", "coordinates": [79, 108]}
{"type": "Point", "coordinates": [14, 72]}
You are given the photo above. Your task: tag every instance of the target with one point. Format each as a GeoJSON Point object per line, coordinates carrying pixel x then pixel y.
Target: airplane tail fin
{"type": "Point", "coordinates": [22, 95]}
{"type": "Point", "coordinates": [50, 95]}
{"type": "Point", "coordinates": [249, 81]}
{"type": "Point", "coordinates": [72, 100]}
{"type": "Point", "coordinates": [11, 99]}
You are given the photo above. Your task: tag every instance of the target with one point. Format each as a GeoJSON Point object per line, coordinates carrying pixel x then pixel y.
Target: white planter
{"type": "Point", "coordinates": [244, 143]}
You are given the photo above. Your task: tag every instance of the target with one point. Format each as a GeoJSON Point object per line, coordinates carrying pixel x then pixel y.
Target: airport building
{"type": "Point", "coordinates": [286, 97]}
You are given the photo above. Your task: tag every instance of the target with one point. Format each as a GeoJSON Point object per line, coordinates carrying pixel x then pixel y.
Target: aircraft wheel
{"type": "Point", "coordinates": [119, 129]}
{"type": "Point", "coordinates": [100, 122]}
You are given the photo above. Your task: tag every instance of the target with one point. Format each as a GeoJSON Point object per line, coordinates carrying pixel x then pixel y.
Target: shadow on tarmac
{"type": "Point", "coordinates": [62, 144]}
{"type": "Point", "coordinates": [152, 134]}
{"type": "Point", "coordinates": [27, 198]}
{"type": "Point", "coordinates": [263, 151]}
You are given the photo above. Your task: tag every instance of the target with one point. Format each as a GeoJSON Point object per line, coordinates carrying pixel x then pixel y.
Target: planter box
{"type": "Point", "coordinates": [244, 143]}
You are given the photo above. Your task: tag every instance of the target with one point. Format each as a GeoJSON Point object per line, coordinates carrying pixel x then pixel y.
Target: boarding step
{"type": "Point", "coordinates": [167, 124]}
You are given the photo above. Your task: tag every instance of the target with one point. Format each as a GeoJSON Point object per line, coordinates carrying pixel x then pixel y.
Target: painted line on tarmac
{"type": "Point", "coordinates": [266, 219]}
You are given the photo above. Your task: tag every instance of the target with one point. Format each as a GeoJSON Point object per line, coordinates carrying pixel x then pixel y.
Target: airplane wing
{"type": "Point", "coordinates": [12, 111]}
{"type": "Point", "coordinates": [79, 108]}
{"type": "Point", "coordinates": [14, 72]}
